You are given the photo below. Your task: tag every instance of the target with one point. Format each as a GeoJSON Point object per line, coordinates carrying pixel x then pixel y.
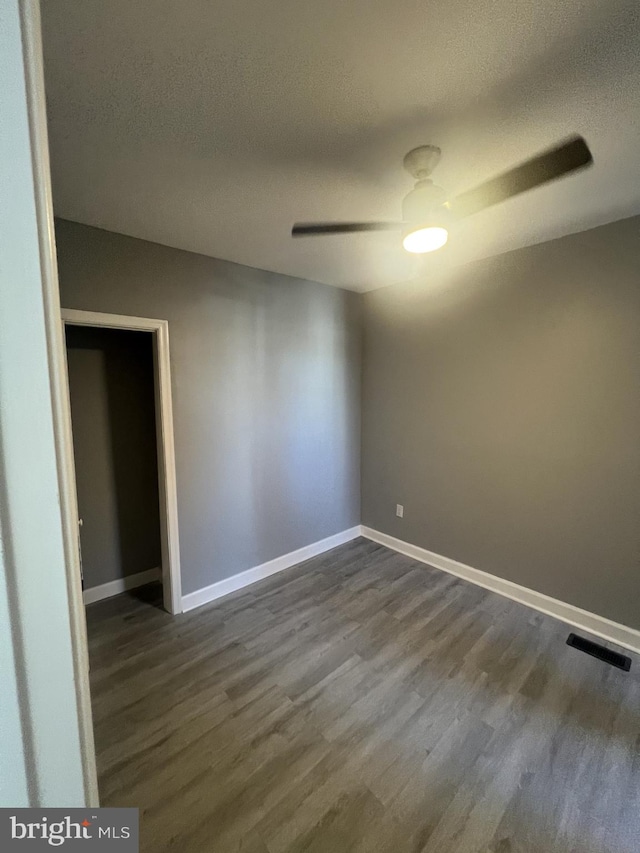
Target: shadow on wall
{"type": "Point", "coordinates": [113, 414]}
{"type": "Point", "coordinates": [285, 393]}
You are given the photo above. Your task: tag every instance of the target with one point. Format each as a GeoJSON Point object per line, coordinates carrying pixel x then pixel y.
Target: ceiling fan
{"type": "Point", "coordinates": [427, 212]}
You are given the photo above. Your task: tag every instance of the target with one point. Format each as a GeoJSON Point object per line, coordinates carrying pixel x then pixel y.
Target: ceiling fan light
{"type": "Point", "coordinates": [425, 239]}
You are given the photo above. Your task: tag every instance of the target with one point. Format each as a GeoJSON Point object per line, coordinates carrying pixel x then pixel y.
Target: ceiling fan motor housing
{"type": "Point", "coordinates": [419, 205]}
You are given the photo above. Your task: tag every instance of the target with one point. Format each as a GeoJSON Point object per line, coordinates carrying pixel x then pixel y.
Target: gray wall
{"type": "Point", "coordinates": [266, 390]}
{"type": "Point", "coordinates": [501, 406]}
{"type": "Point", "coordinates": [111, 386]}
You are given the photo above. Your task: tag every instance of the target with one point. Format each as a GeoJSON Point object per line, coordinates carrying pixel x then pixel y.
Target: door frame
{"type": "Point", "coordinates": [46, 628]}
{"type": "Point", "coordinates": [159, 329]}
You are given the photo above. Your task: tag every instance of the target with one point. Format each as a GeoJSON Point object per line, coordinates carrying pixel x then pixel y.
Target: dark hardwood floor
{"type": "Point", "coordinates": [363, 702]}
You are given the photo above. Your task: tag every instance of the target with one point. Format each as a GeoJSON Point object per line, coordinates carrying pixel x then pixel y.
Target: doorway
{"type": "Point", "coordinates": [123, 455]}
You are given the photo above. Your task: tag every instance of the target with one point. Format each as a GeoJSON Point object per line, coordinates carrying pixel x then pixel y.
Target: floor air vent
{"type": "Point", "coordinates": [600, 652]}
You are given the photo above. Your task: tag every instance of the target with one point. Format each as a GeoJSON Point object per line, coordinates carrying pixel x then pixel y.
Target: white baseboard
{"type": "Point", "coordinates": [235, 582]}
{"type": "Point", "coordinates": [606, 629]}
{"type": "Point", "coordinates": [106, 590]}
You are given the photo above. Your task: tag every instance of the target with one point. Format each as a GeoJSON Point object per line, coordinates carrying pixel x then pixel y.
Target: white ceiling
{"type": "Point", "coordinates": [214, 126]}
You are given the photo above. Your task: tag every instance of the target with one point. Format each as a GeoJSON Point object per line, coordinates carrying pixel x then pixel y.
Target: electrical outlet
{"type": "Point", "coordinates": [399, 510]}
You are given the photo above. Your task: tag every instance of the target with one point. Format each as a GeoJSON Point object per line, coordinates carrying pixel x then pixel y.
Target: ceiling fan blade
{"type": "Point", "coordinates": [569, 156]}
{"type": "Point", "coordinates": [314, 229]}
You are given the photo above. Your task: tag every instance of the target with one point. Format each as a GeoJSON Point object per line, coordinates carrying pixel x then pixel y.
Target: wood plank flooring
{"type": "Point", "coordinates": [362, 702]}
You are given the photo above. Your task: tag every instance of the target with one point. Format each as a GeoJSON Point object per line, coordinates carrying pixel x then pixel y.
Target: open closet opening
{"type": "Point", "coordinates": [120, 395]}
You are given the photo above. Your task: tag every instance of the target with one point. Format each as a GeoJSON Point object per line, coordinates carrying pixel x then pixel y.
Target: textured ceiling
{"type": "Point", "coordinates": [214, 126]}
